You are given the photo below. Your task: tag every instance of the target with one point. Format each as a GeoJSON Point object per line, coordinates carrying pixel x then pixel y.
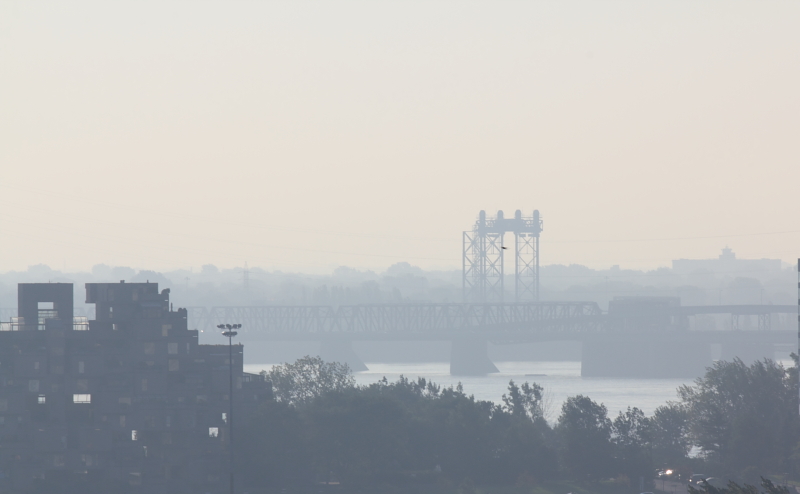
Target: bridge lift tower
{"type": "Point", "coordinates": [482, 259]}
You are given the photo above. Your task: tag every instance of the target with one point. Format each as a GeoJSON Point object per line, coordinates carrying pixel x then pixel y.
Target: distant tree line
{"type": "Point", "coordinates": [402, 282]}
{"type": "Point", "coordinates": [322, 428]}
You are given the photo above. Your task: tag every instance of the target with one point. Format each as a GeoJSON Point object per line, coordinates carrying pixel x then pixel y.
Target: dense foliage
{"type": "Point", "coordinates": [322, 428]}
{"type": "Point", "coordinates": [308, 378]}
{"type": "Point", "coordinates": [745, 418]}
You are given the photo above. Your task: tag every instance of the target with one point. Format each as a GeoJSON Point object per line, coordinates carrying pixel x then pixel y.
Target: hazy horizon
{"type": "Point", "coordinates": [304, 136]}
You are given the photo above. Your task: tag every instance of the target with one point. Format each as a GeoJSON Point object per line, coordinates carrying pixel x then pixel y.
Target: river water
{"type": "Point", "coordinates": [559, 380]}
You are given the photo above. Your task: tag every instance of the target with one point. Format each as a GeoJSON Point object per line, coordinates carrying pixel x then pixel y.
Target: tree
{"type": "Point", "coordinates": [584, 432]}
{"type": "Point", "coordinates": [669, 429]}
{"type": "Point", "coordinates": [358, 437]}
{"type": "Point", "coordinates": [524, 401]}
{"type": "Point", "coordinates": [631, 435]}
{"type": "Point", "coordinates": [744, 417]}
{"type": "Point", "coordinates": [308, 378]}
{"type": "Point", "coordinates": [273, 453]}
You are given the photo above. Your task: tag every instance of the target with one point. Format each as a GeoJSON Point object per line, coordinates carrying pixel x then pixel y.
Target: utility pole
{"type": "Point", "coordinates": [228, 332]}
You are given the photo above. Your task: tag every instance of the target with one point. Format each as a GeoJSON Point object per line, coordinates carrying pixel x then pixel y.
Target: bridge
{"type": "Point", "coordinates": [621, 342]}
{"type": "Point", "coordinates": [427, 321]}
{"type": "Point", "coordinates": [404, 321]}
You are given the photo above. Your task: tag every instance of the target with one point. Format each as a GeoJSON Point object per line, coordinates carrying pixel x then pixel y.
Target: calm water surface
{"type": "Point", "coordinates": [559, 379]}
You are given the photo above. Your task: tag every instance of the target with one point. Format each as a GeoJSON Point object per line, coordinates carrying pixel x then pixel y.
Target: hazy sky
{"type": "Point", "coordinates": [305, 135]}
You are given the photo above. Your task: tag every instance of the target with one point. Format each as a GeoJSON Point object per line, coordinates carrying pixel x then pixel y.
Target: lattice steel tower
{"type": "Point", "coordinates": [483, 263]}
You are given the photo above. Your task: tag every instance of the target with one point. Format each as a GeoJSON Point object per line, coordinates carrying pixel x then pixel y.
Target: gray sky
{"type": "Point", "coordinates": [305, 135]}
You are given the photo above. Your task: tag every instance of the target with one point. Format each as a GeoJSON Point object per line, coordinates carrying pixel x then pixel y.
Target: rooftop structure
{"type": "Point", "coordinates": [129, 400]}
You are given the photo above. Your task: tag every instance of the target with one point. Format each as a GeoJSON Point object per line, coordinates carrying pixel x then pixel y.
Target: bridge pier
{"type": "Point", "coordinates": [638, 358]}
{"type": "Point", "coordinates": [341, 350]}
{"type": "Point", "coordinates": [470, 357]}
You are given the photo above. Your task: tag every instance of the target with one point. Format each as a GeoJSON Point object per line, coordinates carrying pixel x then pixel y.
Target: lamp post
{"type": "Point", "coordinates": [228, 331]}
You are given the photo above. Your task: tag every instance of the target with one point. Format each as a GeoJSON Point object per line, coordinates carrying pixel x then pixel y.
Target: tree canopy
{"type": "Point", "coordinates": [308, 378]}
{"type": "Point", "coordinates": [323, 428]}
{"type": "Point", "coordinates": [744, 418]}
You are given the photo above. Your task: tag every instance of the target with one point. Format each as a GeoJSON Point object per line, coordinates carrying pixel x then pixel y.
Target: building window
{"type": "Point", "coordinates": [82, 384]}
{"type": "Point", "coordinates": [134, 435]}
{"type": "Point", "coordinates": [173, 365]}
{"type": "Point", "coordinates": [172, 348]}
{"type": "Point", "coordinates": [58, 461]}
{"type": "Point", "coordinates": [81, 367]}
{"type": "Point", "coordinates": [122, 421]}
{"type": "Point", "coordinates": [3, 404]}
{"type": "Point", "coordinates": [81, 398]}
{"type": "Point", "coordinates": [165, 330]}
{"type": "Point", "coordinates": [225, 417]}
{"type": "Point", "coordinates": [41, 400]}
{"type": "Point", "coordinates": [36, 365]}
{"type": "Point", "coordinates": [144, 384]}
{"type": "Point", "coordinates": [149, 348]}
{"type": "Point", "coordinates": [33, 386]}
{"type": "Point", "coordinates": [213, 431]}
{"type": "Point", "coordinates": [80, 323]}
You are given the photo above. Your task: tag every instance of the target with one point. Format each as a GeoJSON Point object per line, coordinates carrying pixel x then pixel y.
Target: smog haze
{"type": "Point", "coordinates": [302, 136]}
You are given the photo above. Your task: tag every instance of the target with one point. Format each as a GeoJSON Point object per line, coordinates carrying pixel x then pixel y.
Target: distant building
{"type": "Point", "coordinates": [129, 399]}
{"type": "Point", "coordinates": [727, 263]}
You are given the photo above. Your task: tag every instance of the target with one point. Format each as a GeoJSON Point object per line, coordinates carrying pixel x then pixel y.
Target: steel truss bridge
{"type": "Point", "coordinates": [445, 321]}
{"type": "Point", "coordinates": [401, 321]}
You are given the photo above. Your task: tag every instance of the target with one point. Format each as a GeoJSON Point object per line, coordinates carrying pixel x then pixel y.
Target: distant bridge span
{"type": "Point", "coordinates": [523, 321]}
{"type": "Point", "coordinates": [402, 321]}
{"type": "Point", "coordinates": [654, 342]}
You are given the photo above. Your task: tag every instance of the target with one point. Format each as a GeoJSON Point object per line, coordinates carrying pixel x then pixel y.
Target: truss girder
{"type": "Point", "coordinates": [400, 319]}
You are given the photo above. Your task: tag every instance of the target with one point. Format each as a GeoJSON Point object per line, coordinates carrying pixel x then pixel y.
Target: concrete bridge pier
{"type": "Point", "coordinates": [341, 350]}
{"type": "Point", "coordinates": [639, 358]}
{"type": "Point", "coordinates": [470, 357]}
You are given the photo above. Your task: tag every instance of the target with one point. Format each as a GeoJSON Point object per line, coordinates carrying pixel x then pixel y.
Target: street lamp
{"type": "Point", "coordinates": [228, 331]}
